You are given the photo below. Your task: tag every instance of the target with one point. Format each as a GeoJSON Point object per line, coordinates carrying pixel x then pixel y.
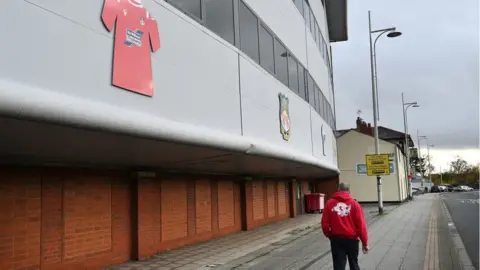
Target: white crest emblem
{"type": "Point", "coordinates": [142, 21]}
{"type": "Point", "coordinates": [124, 12]}
{"type": "Point", "coordinates": [342, 209]}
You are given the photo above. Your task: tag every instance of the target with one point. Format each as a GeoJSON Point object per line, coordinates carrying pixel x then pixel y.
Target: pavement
{"type": "Point", "coordinates": [221, 251]}
{"type": "Point", "coordinates": [418, 234]}
{"type": "Point", "coordinates": [463, 208]}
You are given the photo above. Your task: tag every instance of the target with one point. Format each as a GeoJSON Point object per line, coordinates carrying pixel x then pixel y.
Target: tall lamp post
{"type": "Point", "coordinates": [407, 105]}
{"type": "Point", "coordinates": [429, 161]}
{"type": "Point", "coordinates": [391, 33]}
{"type": "Point", "coordinates": [420, 153]}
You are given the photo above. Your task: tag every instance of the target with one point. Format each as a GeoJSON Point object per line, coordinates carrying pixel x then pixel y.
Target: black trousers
{"type": "Point", "coordinates": [343, 249]}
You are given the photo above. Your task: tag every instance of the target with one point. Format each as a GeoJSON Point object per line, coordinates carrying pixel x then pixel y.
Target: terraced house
{"type": "Point", "coordinates": [130, 127]}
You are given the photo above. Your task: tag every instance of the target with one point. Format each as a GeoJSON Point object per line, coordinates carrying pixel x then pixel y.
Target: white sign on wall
{"type": "Point", "coordinates": [361, 168]}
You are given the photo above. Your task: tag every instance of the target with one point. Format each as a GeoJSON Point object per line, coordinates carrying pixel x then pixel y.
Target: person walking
{"type": "Point", "coordinates": [343, 223]}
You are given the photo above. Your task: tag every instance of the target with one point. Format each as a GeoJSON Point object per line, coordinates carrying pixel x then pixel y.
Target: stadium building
{"type": "Point", "coordinates": [131, 127]}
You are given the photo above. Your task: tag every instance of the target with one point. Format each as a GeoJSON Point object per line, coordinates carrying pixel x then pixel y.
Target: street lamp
{"type": "Point", "coordinates": [392, 33]}
{"type": "Point", "coordinates": [406, 146]}
{"type": "Point", "coordinates": [420, 153]}
{"type": "Point", "coordinates": [429, 162]}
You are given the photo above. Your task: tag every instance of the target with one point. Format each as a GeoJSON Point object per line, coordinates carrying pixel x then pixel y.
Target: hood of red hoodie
{"type": "Point", "coordinates": [342, 196]}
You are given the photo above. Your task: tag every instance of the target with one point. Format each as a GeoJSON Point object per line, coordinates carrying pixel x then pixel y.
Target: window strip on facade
{"type": "Point", "coordinates": [311, 89]}
{"type": "Point", "coordinates": [219, 18]}
{"type": "Point", "coordinates": [293, 73]}
{"type": "Point", "coordinates": [248, 32]}
{"type": "Point", "coordinates": [258, 42]}
{"type": "Point", "coordinates": [267, 56]}
{"type": "Point", "coordinates": [192, 8]}
{"type": "Point", "coordinates": [281, 63]}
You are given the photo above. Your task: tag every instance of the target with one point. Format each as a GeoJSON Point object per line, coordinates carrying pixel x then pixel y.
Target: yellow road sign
{"type": "Point", "coordinates": [377, 164]}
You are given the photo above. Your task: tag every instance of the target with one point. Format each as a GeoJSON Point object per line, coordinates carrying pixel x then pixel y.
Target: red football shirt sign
{"type": "Point", "coordinates": [136, 35]}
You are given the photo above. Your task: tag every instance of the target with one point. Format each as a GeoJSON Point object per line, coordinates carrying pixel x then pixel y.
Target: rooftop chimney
{"type": "Point", "coordinates": [363, 127]}
{"type": "Point", "coordinates": [359, 122]}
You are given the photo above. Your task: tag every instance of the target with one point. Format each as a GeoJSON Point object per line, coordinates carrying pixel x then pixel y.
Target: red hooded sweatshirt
{"type": "Point", "coordinates": [343, 217]}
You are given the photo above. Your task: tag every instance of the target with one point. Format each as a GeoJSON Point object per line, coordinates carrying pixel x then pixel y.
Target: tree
{"type": "Point", "coordinates": [460, 172]}
{"type": "Point", "coordinates": [459, 166]}
{"type": "Point", "coordinates": [421, 165]}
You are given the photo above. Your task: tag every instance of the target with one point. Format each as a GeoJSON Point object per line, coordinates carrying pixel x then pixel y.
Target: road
{"type": "Point", "coordinates": [463, 207]}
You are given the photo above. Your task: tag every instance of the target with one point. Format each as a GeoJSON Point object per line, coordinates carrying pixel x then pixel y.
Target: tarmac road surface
{"type": "Point", "coordinates": [463, 207]}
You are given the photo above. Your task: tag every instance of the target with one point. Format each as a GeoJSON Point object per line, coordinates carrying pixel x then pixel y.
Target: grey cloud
{"type": "Point", "coordinates": [435, 62]}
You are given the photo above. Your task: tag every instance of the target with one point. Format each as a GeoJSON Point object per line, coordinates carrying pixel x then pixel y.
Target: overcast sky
{"type": "Point", "coordinates": [435, 62]}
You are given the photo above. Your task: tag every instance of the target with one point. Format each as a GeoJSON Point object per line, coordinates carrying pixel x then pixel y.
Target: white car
{"type": "Point", "coordinates": [461, 188]}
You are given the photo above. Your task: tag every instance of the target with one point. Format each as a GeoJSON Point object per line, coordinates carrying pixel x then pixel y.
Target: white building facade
{"type": "Point", "coordinates": [352, 148]}
{"type": "Point", "coordinates": [156, 124]}
{"type": "Point", "coordinates": [217, 75]}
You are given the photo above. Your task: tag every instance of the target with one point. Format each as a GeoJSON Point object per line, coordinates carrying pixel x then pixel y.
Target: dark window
{"type": "Point", "coordinates": [292, 73]}
{"type": "Point", "coordinates": [299, 4]}
{"type": "Point", "coordinates": [330, 115]}
{"type": "Point", "coordinates": [281, 62]}
{"type": "Point", "coordinates": [267, 57]}
{"type": "Point", "coordinates": [219, 18]}
{"type": "Point", "coordinates": [306, 13]}
{"type": "Point", "coordinates": [325, 53]}
{"type": "Point", "coordinates": [321, 46]}
{"type": "Point", "coordinates": [332, 121]}
{"type": "Point", "coordinates": [248, 32]}
{"type": "Point", "coordinates": [301, 82]}
{"type": "Point", "coordinates": [318, 99]}
{"type": "Point", "coordinates": [321, 104]}
{"type": "Point", "coordinates": [312, 21]}
{"type": "Point", "coordinates": [327, 118]}
{"type": "Point", "coordinates": [325, 106]}
{"type": "Point", "coordinates": [320, 40]}
{"type": "Point", "coordinates": [319, 34]}
{"type": "Point", "coordinates": [311, 97]}
{"type": "Point", "coordinates": [191, 7]}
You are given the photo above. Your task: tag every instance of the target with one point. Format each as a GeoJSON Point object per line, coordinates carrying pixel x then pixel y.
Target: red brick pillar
{"type": "Point", "coordinates": [148, 217]}
{"type": "Point", "coordinates": [52, 222]}
{"type": "Point", "coordinates": [248, 205]}
{"type": "Point", "coordinates": [327, 186]}
{"type": "Point", "coordinates": [293, 198]}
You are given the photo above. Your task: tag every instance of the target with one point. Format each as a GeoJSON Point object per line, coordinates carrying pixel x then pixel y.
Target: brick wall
{"type": "Point", "coordinates": [20, 221]}
{"type": "Point", "coordinates": [203, 206]}
{"type": "Point", "coordinates": [226, 204]}
{"type": "Point", "coordinates": [282, 199]}
{"type": "Point", "coordinates": [148, 210]}
{"type": "Point", "coordinates": [173, 199]}
{"type": "Point", "coordinates": [63, 219]}
{"type": "Point", "coordinates": [271, 198]}
{"type": "Point", "coordinates": [190, 210]}
{"type": "Point", "coordinates": [327, 186]}
{"type": "Point", "coordinates": [258, 200]}
{"type": "Point", "coordinates": [87, 218]}
{"type": "Point", "coordinates": [264, 200]}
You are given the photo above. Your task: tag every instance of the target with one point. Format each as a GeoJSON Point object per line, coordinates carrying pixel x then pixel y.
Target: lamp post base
{"type": "Point", "coordinates": [380, 197]}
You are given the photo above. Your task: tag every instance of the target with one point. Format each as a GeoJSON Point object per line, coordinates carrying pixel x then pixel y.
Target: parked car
{"type": "Point", "coordinates": [461, 188]}
{"type": "Point", "coordinates": [448, 187]}
{"type": "Point", "coordinates": [438, 188]}
{"type": "Point", "coordinates": [424, 184]}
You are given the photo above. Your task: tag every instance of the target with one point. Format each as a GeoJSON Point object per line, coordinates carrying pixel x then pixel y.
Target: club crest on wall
{"type": "Point", "coordinates": [284, 116]}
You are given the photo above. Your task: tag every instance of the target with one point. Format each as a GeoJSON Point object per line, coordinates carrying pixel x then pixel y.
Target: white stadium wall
{"type": "Point", "coordinates": [199, 78]}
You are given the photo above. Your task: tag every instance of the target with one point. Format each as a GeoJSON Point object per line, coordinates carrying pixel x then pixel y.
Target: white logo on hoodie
{"type": "Point", "coordinates": [342, 209]}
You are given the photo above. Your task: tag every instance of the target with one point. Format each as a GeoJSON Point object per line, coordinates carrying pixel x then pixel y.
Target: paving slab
{"type": "Point", "coordinates": [216, 252]}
